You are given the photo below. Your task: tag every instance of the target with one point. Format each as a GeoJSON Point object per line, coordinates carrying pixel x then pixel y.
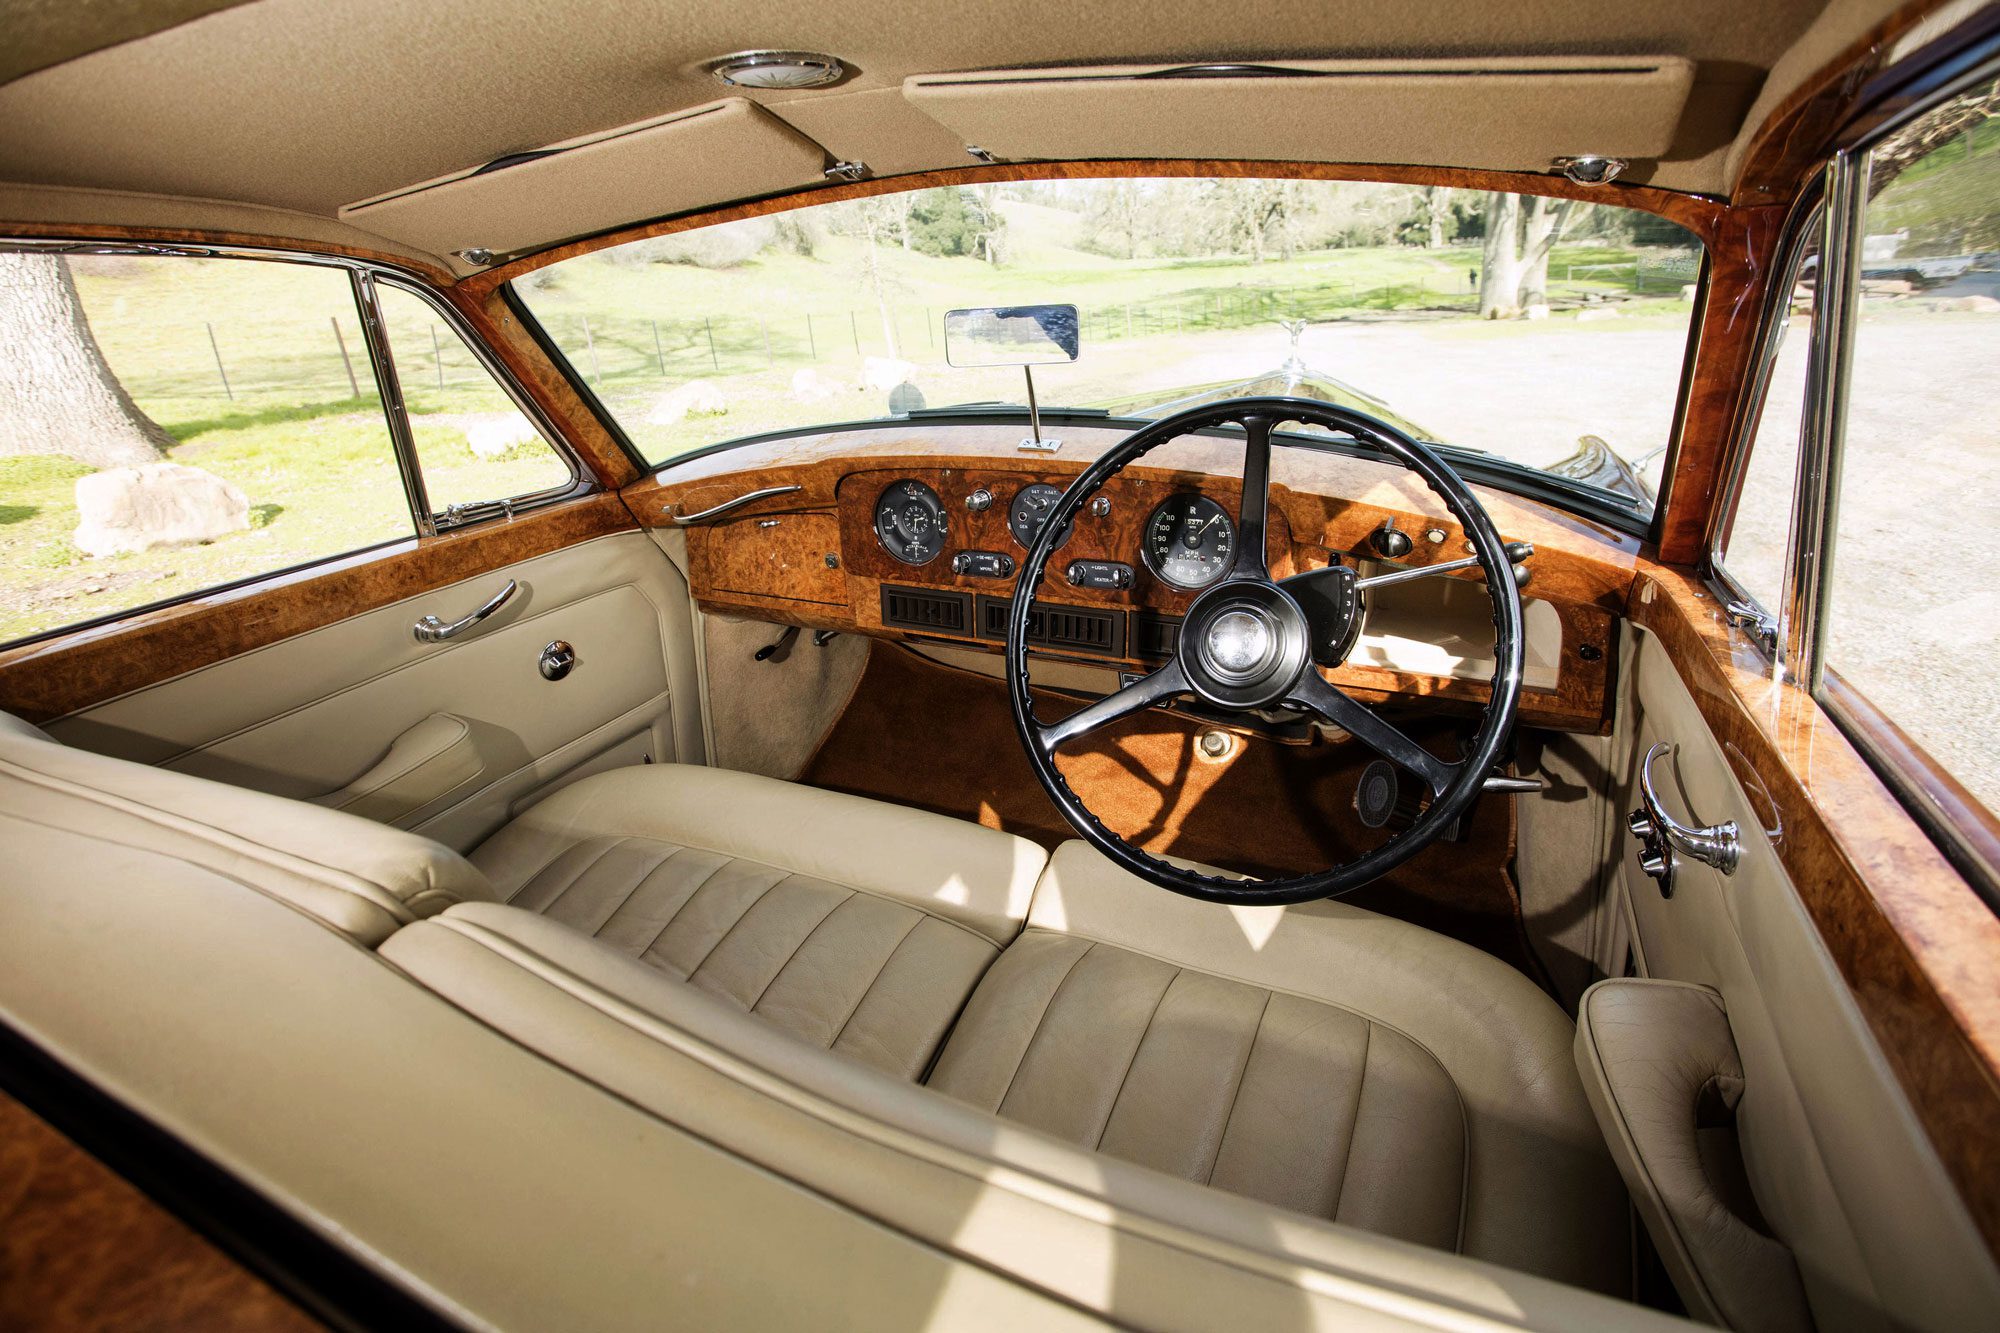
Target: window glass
{"type": "Point", "coordinates": [1913, 616]}
{"type": "Point", "coordinates": [474, 444]}
{"type": "Point", "coordinates": [1753, 544]}
{"type": "Point", "coordinates": [168, 424]}
{"type": "Point", "coordinates": [1544, 331]}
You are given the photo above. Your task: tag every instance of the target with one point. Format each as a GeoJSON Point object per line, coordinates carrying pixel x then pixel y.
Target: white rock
{"type": "Point", "coordinates": [157, 504]}
{"type": "Point", "coordinates": [494, 434]}
{"type": "Point", "coordinates": [1596, 313]}
{"type": "Point", "coordinates": [809, 386]}
{"type": "Point", "coordinates": [882, 373]}
{"type": "Point", "coordinates": [1687, 291]}
{"type": "Point", "coordinates": [1536, 311]}
{"type": "Point", "coordinates": [1982, 304]}
{"type": "Point", "coordinates": [696, 398]}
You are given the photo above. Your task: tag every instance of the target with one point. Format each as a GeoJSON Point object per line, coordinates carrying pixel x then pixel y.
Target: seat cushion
{"type": "Point", "coordinates": [857, 926]}
{"type": "Point", "coordinates": [1320, 1058]}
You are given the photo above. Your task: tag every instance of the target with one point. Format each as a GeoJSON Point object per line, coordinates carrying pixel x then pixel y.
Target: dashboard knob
{"type": "Point", "coordinates": [1390, 542]}
{"type": "Point", "coordinates": [979, 501]}
{"type": "Point", "coordinates": [1100, 506]}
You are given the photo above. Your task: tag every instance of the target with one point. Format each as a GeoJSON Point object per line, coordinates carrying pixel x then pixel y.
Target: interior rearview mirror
{"type": "Point", "coordinates": [1012, 335]}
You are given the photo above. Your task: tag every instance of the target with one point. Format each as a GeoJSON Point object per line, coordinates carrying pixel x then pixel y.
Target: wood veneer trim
{"type": "Point", "coordinates": [1696, 213]}
{"type": "Point", "coordinates": [82, 1248]}
{"type": "Point", "coordinates": [1914, 943]}
{"type": "Point", "coordinates": [52, 677]}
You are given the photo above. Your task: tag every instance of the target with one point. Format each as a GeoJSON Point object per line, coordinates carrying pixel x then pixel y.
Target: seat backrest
{"type": "Point", "coordinates": [363, 879]}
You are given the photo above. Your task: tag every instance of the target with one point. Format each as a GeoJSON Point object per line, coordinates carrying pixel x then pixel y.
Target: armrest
{"type": "Point", "coordinates": [430, 760]}
{"type": "Point", "coordinates": [1661, 1070]}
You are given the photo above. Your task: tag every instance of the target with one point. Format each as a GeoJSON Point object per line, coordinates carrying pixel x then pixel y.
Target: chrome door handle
{"type": "Point", "coordinates": [717, 511]}
{"type": "Point", "coordinates": [1661, 836]}
{"type": "Point", "coordinates": [432, 630]}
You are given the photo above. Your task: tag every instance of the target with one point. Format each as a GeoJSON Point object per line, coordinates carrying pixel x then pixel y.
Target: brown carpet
{"type": "Point", "coordinates": [941, 739]}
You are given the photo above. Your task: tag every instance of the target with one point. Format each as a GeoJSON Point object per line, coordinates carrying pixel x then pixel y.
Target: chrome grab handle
{"type": "Point", "coordinates": [1660, 835]}
{"type": "Point", "coordinates": [432, 630]}
{"type": "Point", "coordinates": [717, 511]}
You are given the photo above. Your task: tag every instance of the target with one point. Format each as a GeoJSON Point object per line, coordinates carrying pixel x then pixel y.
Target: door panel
{"type": "Point", "coordinates": [309, 715]}
{"type": "Point", "coordinates": [1839, 1164]}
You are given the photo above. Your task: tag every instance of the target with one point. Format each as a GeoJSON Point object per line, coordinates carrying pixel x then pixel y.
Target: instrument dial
{"type": "Point", "coordinates": [1030, 510]}
{"type": "Point", "coordinates": [1189, 542]}
{"type": "Point", "coordinates": [910, 522]}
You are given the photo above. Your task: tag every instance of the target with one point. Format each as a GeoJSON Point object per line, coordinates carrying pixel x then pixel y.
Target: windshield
{"type": "Point", "coordinates": [1545, 332]}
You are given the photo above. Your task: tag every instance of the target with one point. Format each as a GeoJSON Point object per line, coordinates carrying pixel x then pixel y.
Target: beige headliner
{"type": "Point", "coordinates": [309, 105]}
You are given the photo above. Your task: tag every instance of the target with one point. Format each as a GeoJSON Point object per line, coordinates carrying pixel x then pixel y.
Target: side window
{"type": "Point", "coordinates": [1751, 547]}
{"type": "Point", "coordinates": [168, 424]}
{"type": "Point", "coordinates": [1912, 619]}
{"type": "Point", "coordinates": [474, 445]}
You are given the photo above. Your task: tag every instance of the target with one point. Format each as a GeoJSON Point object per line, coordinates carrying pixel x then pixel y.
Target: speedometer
{"type": "Point", "coordinates": [1189, 541]}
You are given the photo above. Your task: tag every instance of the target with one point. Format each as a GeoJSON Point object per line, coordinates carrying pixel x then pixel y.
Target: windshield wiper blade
{"type": "Point", "coordinates": [998, 409]}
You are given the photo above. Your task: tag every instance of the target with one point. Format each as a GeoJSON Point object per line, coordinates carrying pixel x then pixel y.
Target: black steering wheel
{"type": "Point", "coordinates": [1251, 642]}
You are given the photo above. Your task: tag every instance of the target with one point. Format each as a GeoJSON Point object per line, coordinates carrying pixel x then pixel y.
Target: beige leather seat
{"type": "Point", "coordinates": [858, 926]}
{"type": "Point", "coordinates": [1321, 1059]}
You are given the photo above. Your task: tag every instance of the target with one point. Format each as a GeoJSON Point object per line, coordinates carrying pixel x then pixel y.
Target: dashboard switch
{"type": "Point", "coordinates": [983, 564]}
{"type": "Point", "coordinates": [1099, 574]}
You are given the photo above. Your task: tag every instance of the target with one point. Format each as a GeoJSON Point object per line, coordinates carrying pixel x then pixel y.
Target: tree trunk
{"type": "Point", "coordinates": [1500, 267]}
{"type": "Point", "coordinates": [870, 239]}
{"type": "Point", "coordinates": [1437, 202]}
{"type": "Point", "coordinates": [57, 395]}
{"type": "Point", "coordinates": [1545, 224]}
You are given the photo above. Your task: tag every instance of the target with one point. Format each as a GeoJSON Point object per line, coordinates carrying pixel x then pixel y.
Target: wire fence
{"type": "Point", "coordinates": [310, 359]}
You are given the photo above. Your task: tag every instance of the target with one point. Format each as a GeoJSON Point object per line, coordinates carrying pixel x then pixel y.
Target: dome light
{"type": "Point", "coordinates": [777, 69]}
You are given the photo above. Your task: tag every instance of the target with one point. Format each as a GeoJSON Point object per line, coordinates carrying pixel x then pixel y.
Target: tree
{"type": "Point", "coordinates": [1514, 273]}
{"type": "Point", "coordinates": [1500, 264]}
{"type": "Point", "coordinates": [57, 393]}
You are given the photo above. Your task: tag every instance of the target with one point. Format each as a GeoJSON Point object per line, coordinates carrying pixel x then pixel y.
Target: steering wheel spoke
{"type": "Point", "coordinates": [1251, 520]}
{"type": "Point", "coordinates": [1143, 693]}
{"type": "Point", "coordinates": [1367, 726]}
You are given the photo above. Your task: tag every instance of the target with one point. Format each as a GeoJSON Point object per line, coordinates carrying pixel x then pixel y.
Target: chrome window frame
{"type": "Point", "coordinates": [363, 274]}
{"type": "Point", "coordinates": [1848, 172]}
{"type": "Point", "coordinates": [1806, 222]}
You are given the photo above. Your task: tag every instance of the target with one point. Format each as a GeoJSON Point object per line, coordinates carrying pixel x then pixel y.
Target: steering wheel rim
{"type": "Point", "coordinates": [1193, 670]}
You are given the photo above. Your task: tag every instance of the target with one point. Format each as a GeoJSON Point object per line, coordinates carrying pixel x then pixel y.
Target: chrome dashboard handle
{"type": "Point", "coordinates": [1661, 836]}
{"type": "Point", "coordinates": [432, 630]}
{"type": "Point", "coordinates": [717, 511]}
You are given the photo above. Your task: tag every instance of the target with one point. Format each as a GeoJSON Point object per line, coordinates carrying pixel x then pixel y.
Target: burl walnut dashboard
{"type": "Point", "coordinates": [915, 532]}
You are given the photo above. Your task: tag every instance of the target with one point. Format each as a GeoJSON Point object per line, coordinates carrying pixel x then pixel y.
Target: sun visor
{"type": "Point", "coordinates": [1500, 114]}
{"type": "Point", "coordinates": [707, 155]}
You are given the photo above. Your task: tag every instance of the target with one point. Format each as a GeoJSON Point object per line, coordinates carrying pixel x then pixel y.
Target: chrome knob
{"type": "Point", "coordinates": [979, 501]}
{"type": "Point", "coordinates": [556, 661]}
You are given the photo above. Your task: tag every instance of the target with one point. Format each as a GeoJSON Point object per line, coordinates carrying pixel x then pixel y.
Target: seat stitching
{"type": "Point", "coordinates": [1068, 972]}
{"type": "Point", "coordinates": [1354, 1120]}
{"type": "Point", "coordinates": [793, 955]}
{"type": "Point", "coordinates": [1384, 1024]}
{"type": "Point", "coordinates": [637, 884]}
{"type": "Point", "coordinates": [1242, 1072]}
{"type": "Point", "coordinates": [577, 878]}
{"type": "Point", "coordinates": [1124, 1078]}
{"type": "Point", "coordinates": [876, 980]}
{"type": "Point", "coordinates": [748, 907]}
{"type": "Point", "coordinates": [693, 893]}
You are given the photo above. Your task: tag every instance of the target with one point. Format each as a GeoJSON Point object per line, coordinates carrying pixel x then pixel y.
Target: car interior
{"type": "Point", "coordinates": [1101, 819]}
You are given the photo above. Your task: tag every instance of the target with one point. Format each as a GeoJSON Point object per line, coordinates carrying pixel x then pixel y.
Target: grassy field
{"type": "Point", "coordinates": [259, 372]}
{"type": "Point", "coordinates": [636, 331]}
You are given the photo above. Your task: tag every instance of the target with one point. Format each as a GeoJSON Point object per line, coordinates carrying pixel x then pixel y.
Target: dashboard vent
{"type": "Point", "coordinates": [1155, 636]}
{"type": "Point", "coordinates": [1078, 629]}
{"type": "Point", "coordinates": [916, 608]}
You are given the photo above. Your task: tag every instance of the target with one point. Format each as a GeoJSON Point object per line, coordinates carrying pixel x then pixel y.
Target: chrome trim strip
{"type": "Point", "coordinates": [390, 387]}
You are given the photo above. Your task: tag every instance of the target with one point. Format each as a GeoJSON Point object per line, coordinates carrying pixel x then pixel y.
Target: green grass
{"type": "Point", "coordinates": [280, 418]}
{"type": "Point", "coordinates": [636, 330]}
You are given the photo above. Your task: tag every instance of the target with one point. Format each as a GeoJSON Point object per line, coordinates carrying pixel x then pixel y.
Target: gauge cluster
{"type": "Point", "coordinates": [1185, 541]}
